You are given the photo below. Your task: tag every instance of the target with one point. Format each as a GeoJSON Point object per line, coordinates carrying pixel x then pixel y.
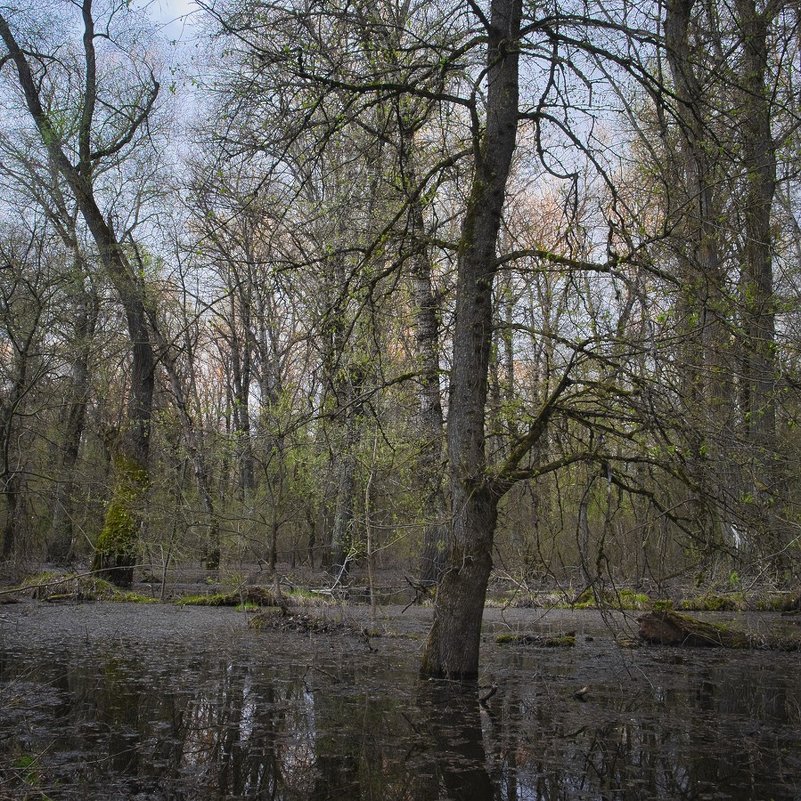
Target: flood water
{"type": "Point", "coordinates": [193, 705]}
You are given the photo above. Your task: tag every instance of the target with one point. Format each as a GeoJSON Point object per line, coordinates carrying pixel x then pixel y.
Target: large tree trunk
{"type": "Point", "coordinates": [757, 296]}
{"type": "Point", "coordinates": [453, 643]}
{"type": "Point", "coordinates": [759, 161]}
{"type": "Point", "coordinates": [430, 468]}
{"type": "Point", "coordinates": [60, 542]}
{"type": "Point", "coordinates": [117, 543]}
{"type": "Point", "coordinates": [708, 404]}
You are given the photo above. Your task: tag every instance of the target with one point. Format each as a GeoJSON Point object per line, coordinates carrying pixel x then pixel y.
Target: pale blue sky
{"type": "Point", "coordinates": [173, 15]}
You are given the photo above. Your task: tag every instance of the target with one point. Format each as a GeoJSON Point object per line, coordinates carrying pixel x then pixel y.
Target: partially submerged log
{"type": "Point", "coordinates": [669, 628]}
{"type": "Point", "coordinates": [665, 627]}
{"type": "Point", "coordinates": [792, 605]}
{"type": "Point", "coordinates": [565, 640]}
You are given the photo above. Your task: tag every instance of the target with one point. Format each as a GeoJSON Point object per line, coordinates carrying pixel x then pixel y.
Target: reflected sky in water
{"type": "Point", "coordinates": [283, 716]}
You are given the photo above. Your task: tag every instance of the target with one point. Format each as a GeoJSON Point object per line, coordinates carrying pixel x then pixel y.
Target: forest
{"type": "Point", "coordinates": [440, 288]}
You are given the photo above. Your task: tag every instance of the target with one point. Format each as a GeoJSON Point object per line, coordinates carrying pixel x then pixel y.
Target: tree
{"type": "Point", "coordinates": [462, 69]}
{"type": "Point", "coordinates": [24, 300]}
{"type": "Point", "coordinates": [79, 149]}
{"type": "Point", "coordinates": [758, 300]}
{"type": "Point", "coordinates": [728, 111]}
{"type": "Point", "coordinates": [453, 643]}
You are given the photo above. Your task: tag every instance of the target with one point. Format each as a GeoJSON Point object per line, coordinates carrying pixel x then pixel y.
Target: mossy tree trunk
{"type": "Point", "coordinates": [670, 628]}
{"type": "Point", "coordinates": [117, 545]}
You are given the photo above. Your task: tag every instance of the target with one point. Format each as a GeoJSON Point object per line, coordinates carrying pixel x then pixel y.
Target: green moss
{"type": "Point", "coordinates": [629, 599]}
{"type": "Point", "coordinates": [586, 600]}
{"type": "Point", "coordinates": [775, 602]}
{"type": "Point", "coordinates": [133, 598]}
{"type": "Point", "coordinates": [712, 602]}
{"type": "Point", "coordinates": [115, 549]}
{"type": "Point", "coordinates": [245, 597]}
{"type": "Point", "coordinates": [619, 599]}
{"type": "Point", "coordinates": [560, 641]}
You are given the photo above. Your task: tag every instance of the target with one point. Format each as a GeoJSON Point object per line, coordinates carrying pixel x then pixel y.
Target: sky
{"type": "Point", "coordinates": [173, 17]}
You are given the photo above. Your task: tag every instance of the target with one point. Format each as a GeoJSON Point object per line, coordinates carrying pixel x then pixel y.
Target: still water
{"type": "Point", "coordinates": [217, 711]}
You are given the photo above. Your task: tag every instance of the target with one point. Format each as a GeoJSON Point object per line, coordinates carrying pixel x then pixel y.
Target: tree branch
{"type": "Point", "coordinates": [135, 125]}
{"type": "Point", "coordinates": [506, 475]}
{"type": "Point", "coordinates": [90, 88]}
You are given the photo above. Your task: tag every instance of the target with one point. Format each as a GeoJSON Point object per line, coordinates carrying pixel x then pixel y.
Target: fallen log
{"type": "Point", "coordinates": [670, 628]}
{"type": "Point", "coordinates": [565, 640]}
{"type": "Point", "coordinates": [665, 627]}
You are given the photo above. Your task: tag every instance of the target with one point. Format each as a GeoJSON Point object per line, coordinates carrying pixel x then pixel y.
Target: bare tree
{"type": "Point", "coordinates": [77, 153]}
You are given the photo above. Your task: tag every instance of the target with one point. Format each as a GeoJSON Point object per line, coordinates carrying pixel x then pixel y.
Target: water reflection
{"type": "Point", "coordinates": [452, 718]}
{"type": "Point", "coordinates": [188, 726]}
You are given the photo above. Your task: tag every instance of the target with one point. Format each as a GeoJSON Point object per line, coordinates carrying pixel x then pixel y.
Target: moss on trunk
{"type": "Point", "coordinates": [117, 543]}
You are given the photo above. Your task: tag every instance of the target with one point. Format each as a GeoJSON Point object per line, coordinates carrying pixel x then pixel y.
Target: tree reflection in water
{"type": "Point", "coordinates": [100, 725]}
{"type": "Point", "coordinates": [451, 715]}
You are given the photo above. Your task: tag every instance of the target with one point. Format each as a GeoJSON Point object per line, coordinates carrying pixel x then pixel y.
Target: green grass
{"type": "Point", "coordinates": [209, 599]}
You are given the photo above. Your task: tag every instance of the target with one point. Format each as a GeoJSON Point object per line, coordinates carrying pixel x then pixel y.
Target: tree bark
{"type": "Point", "coordinates": [452, 648]}
{"type": "Point", "coordinates": [60, 543]}
{"type": "Point", "coordinates": [757, 296]}
{"type": "Point", "coordinates": [430, 467]}
{"type": "Point", "coordinates": [703, 309]}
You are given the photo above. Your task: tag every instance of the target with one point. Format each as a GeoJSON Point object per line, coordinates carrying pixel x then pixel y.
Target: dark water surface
{"type": "Point", "coordinates": [117, 702]}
